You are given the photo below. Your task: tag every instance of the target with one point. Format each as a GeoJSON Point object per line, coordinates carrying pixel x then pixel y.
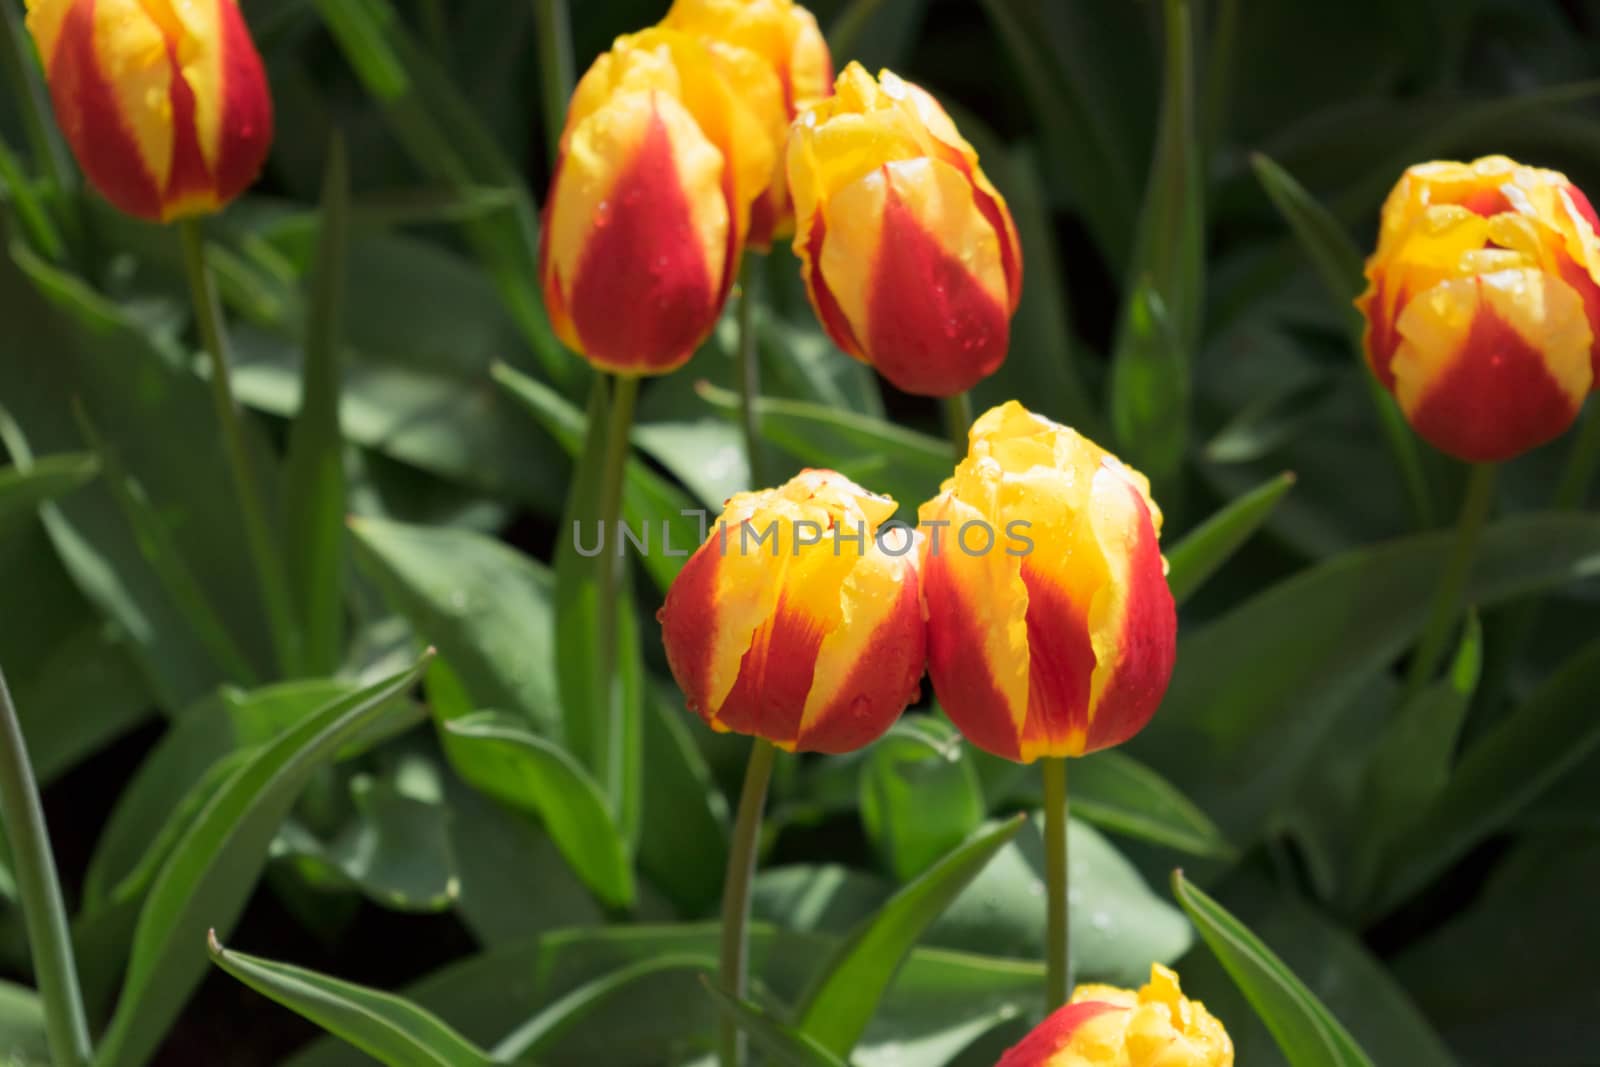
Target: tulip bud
{"type": "Point", "coordinates": [1104, 1026]}
{"type": "Point", "coordinates": [1051, 630]}
{"type": "Point", "coordinates": [165, 104]}
{"type": "Point", "coordinates": [798, 619]}
{"type": "Point", "coordinates": [908, 253]}
{"type": "Point", "coordinates": [669, 140]}
{"type": "Point", "coordinates": [1483, 305]}
{"type": "Point", "coordinates": [786, 36]}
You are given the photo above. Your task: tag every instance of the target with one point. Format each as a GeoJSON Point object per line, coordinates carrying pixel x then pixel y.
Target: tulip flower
{"type": "Point", "coordinates": [1051, 630]}
{"type": "Point", "coordinates": [798, 619]}
{"type": "Point", "coordinates": [786, 36]}
{"type": "Point", "coordinates": [1108, 1027]}
{"type": "Point", "coordinates": [1483, 305]}
{"type": "Point", "coordinates": [908, 252]}
{"type": "Point", "coordinates": [165, 104]}
{"type": "Point", "coordinates": [669, 141]}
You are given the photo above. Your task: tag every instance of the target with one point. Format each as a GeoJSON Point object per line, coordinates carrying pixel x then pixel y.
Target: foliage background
{"type": "Point", "coordinates": [1430, 880]}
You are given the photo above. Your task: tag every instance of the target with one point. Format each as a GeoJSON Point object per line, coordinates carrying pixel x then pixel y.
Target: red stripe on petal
{"type": "Point", "coordinates": [247, 120]}
{"type": "Point", "coordinates": [1494, 399]}
{"type": "Point", "coordinates": [1486, 202]}
{"type": "Point", "coordinates": [961, 678]}
{"type": "Point", "coordinates": [1054, 1034]}
{"type": "Point", "coordinates": [689, 625]}
{"type": "Point", "coordinates": [190, 187]}
{"type": "Point", "coordinates": [642, 298]}
{"type": "Point", "coordinates": [763, 222]}
{"type": "Point", "coordinates": [829, 313]}
{"type": "Point", "coordinates": [881, 684]}
{"type": "Point", "coordinates": [87, 109]}
{"type": "Point", "coordinates": [1586, 209]}
{"type": "Point", "coordinates": [775, 675]}
{"type": "Point", "coordinates": [1146, 648]}
{"type": "Point", "coordinates": [1578, 277]}
{"type": "Point", "coordinates": [932, 329]}
{"type": "Point", "coordinates": [1060, 666]}
{"type": "Point", "coordinates": [1382, 309]}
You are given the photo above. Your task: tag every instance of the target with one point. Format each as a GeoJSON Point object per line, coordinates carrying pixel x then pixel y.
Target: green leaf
{"type": "Point", "coordinates": [920, 795]}
{"type": "Point", "coordinates": [388, 1028]}
{"type": "Point", "coordinates": [844, 996]}
{"type": "Point", "coordinates": [783, 1043]}
{"type": "Point", "coordinates": [683, 838]}
{"type": "Point", "coordinates": [1211, 544]}
{"type": "Point", "coordinates": [22, 1034]}
{"type": "Point", "coordinates": [1118, 793]}
{"type": "Point", "coordinates": [533, 776]}
{"type": "Point", "coordinates": [448, 142]}
{"type": "Point", "coordinates": [1224, 735]}
{"type": "Point", "coordinates": [649, 502]}
{"type": "Point", "coordinates": [1305, 1030]}
{"type": "Point", "coordinates": [23, 490]}
{"type": "Point", "coordinates": [1504, 770]}
{"type": "Point", "coordinates": [314, 491]}
{"type": "Point", "coordinates": [1150, 368]}
{"type": "Point", "coordinates": [529, 1041]}
{"type": "Point", "coordinates": [602, 705]}
{"type": "Point", "coordinates": [840, 439]}
{"type": "Point", "coordinates": [1326, 242]}
{"type": "Point", "coordinates": [19, 193]}
{"type": "Point", "coordinates": [213, 868]}
{"type": "Point", "coordinates": [486, 606]}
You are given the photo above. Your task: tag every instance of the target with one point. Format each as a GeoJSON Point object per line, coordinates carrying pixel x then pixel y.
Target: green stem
{"type": "Point", "coordinates": [44, 914]}
{"type": "Point", "coordinates": [958, 420]}
{"type": "Point", "coordinates": [736, 893]}
{"type": "Point", "coordinates": [553, 26]}
{"type": "Point", "coordinates": [1430, 650]}
{"type": "Point", "coordinates": [750, 365]}
{"type": "Point", "coordinates": [609, 750]}
{"type": "Point", "coordinates": [1058, 934]}
{"type": "Point", "coordinates": [263, 548]}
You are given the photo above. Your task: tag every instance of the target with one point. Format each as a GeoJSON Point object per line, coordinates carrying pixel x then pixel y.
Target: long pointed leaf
{"type": "Point", "coordinates": [22, 489]}
{"type": "Point", "coordinates": [844, 997]}
{"type": "Point", "coordinates": [1212, 543]}
{"type": "Point", "coordinates": [783, 1043]}
{"type": "Point", "coordinates": [528, 1041]}
{"type": "Point", "coordinates": [388, 1028]}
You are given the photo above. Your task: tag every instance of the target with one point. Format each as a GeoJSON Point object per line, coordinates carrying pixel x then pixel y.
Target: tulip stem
{"type": "Point", "coordinates": [609, 746]}
{"type": "Point", "coordinates": [1475, 507]}
{"type": "Point", "coordinates": [270, 572]}
{"type": "Point", "coordinates": [750, 365]}
{"type": "Point", "coordinates": [742, 850]}
{"type": "Point", "coordinates": [553, 26]}
{"type": "Point", "coordinates": [1058, 933]}
{"type": "Point", "coordinates": [43, 913]}
{"type": "Point", "coordinates": [958, 420]}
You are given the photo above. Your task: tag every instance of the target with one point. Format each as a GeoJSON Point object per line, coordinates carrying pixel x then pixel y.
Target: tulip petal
{"type": "Point", "coordinates": [1055, 1034]}
{"type": "Point", "coordinates": [1493, 364]}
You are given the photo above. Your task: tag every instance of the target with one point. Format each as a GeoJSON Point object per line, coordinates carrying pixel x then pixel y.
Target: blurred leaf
{"type": "Point", "coordinates": [23, 490]}
{"type": "Point", "coordinates": [1505, 769]}
{"type": "Point", "coordinates": [781, 1042]}
{"type": "Point", "coordinates": [447, 141]}
{"type": "Point", "coordinates": [876, 33]}
{"type": "Point", "coordinates": [683, 838]}
{"type": "Point", "coordinates": [19, 193]}
{"type": "Point", "coordinates": [486, 606]}
{"type": "Point", "coordinates": [314, 492]}
{"type": "Point", "coordinates": [602, 703]}
{"type": "Point", "coordinates": [840, 440]}
{"type": "Point", "coordinates": [1226, 736]}
{"type": "Point", "coordinates": [213, 868]}
{"type": "Point", "coordinates": [389, 1028]}
{"type": "Point", "coordinates": [1211, 544]}
{"type": "Point", "coordinates": [844, 996]}
{"type": "Point", "coordinates": [647, 498]}
{"type": "Point", "coordinates": [1161, 329]}
{"type": "Point", "coordinates": [528, 1041]}
{"type": "Point", "coordinates": [1079, 141]}
{"type": "Point", "coordinates": [22, 1033]}
{"type": "Point", "coordinates": [1272, 420]}
{"type": "Point", "coordinates": [499, 757]}
{"type": "Point", "coordinates": [1117, 793]}
{"type": "Point", "coordinates": [920, 795]}
{"type": "Point", "coordinates": [1306, 1032]}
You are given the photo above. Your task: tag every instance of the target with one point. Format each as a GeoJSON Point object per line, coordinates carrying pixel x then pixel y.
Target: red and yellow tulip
{"type": "Point", "coordinates": [908, 252]}
{"type": "Point", "coordinates": [786, 36]}
{"type": "Point", "coordinates": [1051, 630]}
{"type": "Point", "coordinates": [798, 619]}
{"type": "Point", "coordinates": [1483, 305]}
{"type": "Point", "coordinates": [669, 141]}
{"type": "Point", "coordinates": [164, 103]}
{"type": "Point", "coordinates": [1104, 1026]}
